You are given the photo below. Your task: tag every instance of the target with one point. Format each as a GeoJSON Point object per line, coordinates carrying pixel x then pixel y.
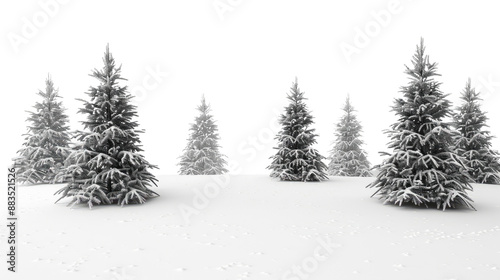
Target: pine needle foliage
{"type": "Point", "coordinates": [347, 156]}
{"type": "Point", "coordinates": [47, 142]}
{"type": "Point", "coordinates": [296, 159]}
{"type": "Point", "coordinates": [107, 167]}
{"type": "Point", "coordinates": [201, 155]}
{"type": "Point", "coordinates": [474, 141]}
{"type": "Point", "coordinates": [423, 168]}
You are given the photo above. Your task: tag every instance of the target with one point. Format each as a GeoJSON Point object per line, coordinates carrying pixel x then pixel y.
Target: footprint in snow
{"type": "Point", "coordinates": [181, 269]}
{"type": "Point", "coordinates": [96, 248]}
{"type": "Point", "coordinates": [244, 275]}
{"type": "Point", "coordinates": [242, 265]}
{"type": "Point", "coordinates": [398, 266]}
{"type": "Point", "coordinates": [221, 268]}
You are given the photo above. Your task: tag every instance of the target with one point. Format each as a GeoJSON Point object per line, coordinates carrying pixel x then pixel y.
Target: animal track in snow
{"type": "Point", "coordinates": [181, 269]}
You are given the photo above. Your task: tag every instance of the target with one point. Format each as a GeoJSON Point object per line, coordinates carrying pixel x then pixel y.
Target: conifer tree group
{"type": "Point", "coordinates": [473, 142]}
{"type": "Point", "coordinates": [424, 167]}
{"type": "Point", "coordinates": [47, 140]}
{"type": "Point", "coordinates": [433, 161]}
{"type": "Point", "coordinates": [107, 167]}
{"type": "Point", "coordinates": [296, 159]}
{"type": "Point", "coordinates": [201, 155]}
{"type": "Point", "coordinates": [348, 157]}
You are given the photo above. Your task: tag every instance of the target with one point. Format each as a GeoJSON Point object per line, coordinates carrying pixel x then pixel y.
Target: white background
{"type": "Point", "coordinates": [244, 59]}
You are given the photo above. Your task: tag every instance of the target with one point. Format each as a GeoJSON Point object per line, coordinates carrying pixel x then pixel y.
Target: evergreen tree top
{"type": "Point", "coordinates": [348, 122]}
{"type": "Point", "coordinates": [470, 119]}
{"type": "Point", "coordinates": [422, 68]}
{"type": "Point", "coordinates": [204, 108]}
{"type": "Point", "coordinates": [348, 108]}
{"type": "Point", "coordinates": [297, 117]}
{"type": "Point", "coordinates": [469, 94]}
{"type": "Point", "coordinates": [422, 101]}
{"type": "Point", "coordinates": [49, 112]}
{"type": "Point", "coordinates": [295, 95]}
{"type": "Point", "coordinates": [109, 109]}
{"type": "Point", "coordinates": [50, 93]}
{"type": "Point", "coordinates": [109, 74]}
{"type": "Point", "coordinates": [471, 107]}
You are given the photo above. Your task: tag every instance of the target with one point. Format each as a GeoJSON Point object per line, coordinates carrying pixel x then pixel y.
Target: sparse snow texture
{"type": "Point", "coordinates": [107, 167]}
{"type": "Point", "coordinates": [47, 140]}
{"type": "Point", "coordinates": [296, 159]}
{"type": "Point", "coordinates": [474, 142]}
{"type": "Point", "coordinates": [201, 155]}
{"type": "Point", "coordinates": [348, 157]}
{"type": "Point", "coordinates": [256, 228]}
{"type": "Point", "coordinates": [423, 167]}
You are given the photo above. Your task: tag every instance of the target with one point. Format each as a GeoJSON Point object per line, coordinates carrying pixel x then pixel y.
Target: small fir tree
{"type": "Point", "coordinates": [107, 167]}
{"type": "Point", "coordinates": [347, 156]}
{"type": "Point", "coordinates": [47, 140]}
{"type": "Point", "coordinates": [296, 160]}
{"type": "Point", "coordinates": [201, 155]}
{"type": "Point", "coordinates": [474, 142]}
{"type": "Point", "coordinates": [423, 168]}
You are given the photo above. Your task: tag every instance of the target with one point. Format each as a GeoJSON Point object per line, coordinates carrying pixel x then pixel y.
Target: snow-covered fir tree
{"type": "Point", "coordinates": [347, 156]}
{"type": "Point", "coordinates": [296, 160]}
{"type": "Point", "coordinates": [423, 167]}
{"type": "Point", "coordinates": [474, 142]}
{"type": "Point", "coordinates": [107, 167]}
{"type": "Point", "coordinates": [47, 141]}
{"type": "Point", "coordinates": [201, 155]}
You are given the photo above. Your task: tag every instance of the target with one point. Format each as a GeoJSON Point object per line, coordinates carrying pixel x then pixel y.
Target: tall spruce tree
{"type": "Point", "coordinates": [201, 155]}
{"type": "Point", "coordinates": [47, 140]}
{"type": "Point", "coordinates": [107, 167]}
{"type": "Point", "coordinates": [474, 142]}
{"type": "Point", "coordinates": [296, 160]}
{"type": "Point", "coordinates": [423, 168]}
{"type": "Point", "coordinates": [347, 156]}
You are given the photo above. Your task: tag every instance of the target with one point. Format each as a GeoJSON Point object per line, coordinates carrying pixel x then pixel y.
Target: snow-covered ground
{"type": "Point", "coordinates": [254, 227]}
